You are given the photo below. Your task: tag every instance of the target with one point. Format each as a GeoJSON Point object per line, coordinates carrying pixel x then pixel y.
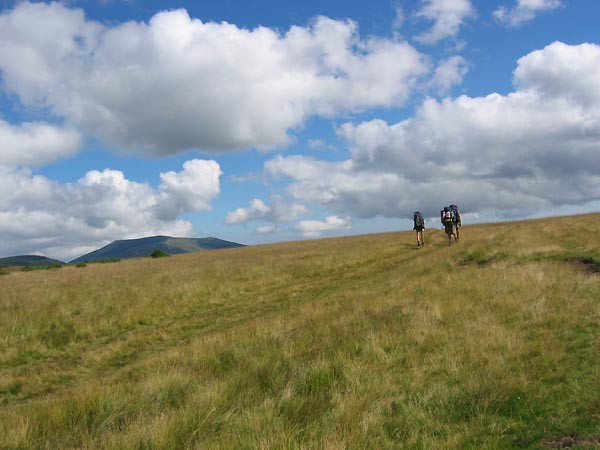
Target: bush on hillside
{"type": "Point", "coordinates": [158, 253]}
{"type": "Point", "coordinates": [81, 264]}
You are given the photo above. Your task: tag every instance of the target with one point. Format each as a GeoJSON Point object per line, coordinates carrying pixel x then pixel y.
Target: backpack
{"type": "Point", "coordinates": [447, 215]}
{"type": "Point", "coordinates": [455, 212]}
{"type": "Point", "coordinates": [418, 220]}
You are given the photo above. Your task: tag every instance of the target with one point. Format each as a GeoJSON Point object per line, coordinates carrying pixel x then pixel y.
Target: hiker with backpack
{"type": "Point", "coordinates": [447, 219]}
{"type": "Point", "coordinates": [457, 220]}
{"type": "Point", "coordinates": [419, 226]}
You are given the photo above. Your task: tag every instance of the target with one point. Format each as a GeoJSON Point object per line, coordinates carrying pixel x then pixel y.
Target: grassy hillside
{"type": "Point", "coordinates": [139, 248]}
{"type": "Point", "coordinates": [358, 342]}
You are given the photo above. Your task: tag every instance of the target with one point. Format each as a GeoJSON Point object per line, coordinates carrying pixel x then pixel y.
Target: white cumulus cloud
{"type": "Point", "coordinates": [36, 143]}
{"type": "Point", "coordinates": [279, 211]}
{"type": "Point", "coordinates": [256, 210]}
{"type": "Point", "coordinates": [66, 220]}
{"type": "Point", "coordinates": [192, 189]}
{"type": "Point", "coordinates": [447, 17]}
{"type": "Point", "coordinates": [315, 228]}
{"type": "Point", "coordinates": [449, 73]}
{"type": "Point", "coordinates": [537, 147]}
{"type": "Point", "coordinates": [178, 83]}
{"type": "Point", "coordinates": [524, 11]}
{"type": "Point", "coordinates": [266, 229]}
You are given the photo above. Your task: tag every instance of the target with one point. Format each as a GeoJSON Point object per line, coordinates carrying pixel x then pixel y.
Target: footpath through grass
{"type": "Point", "coordinates": [359, 342]}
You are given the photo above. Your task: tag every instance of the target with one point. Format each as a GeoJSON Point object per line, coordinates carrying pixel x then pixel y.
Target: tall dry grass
{"type": "Point", "coordinates": [359, 342]}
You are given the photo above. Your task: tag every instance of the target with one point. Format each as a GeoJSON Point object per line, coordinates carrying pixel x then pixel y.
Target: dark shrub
{"type": "Point", "coordinates": [158, 253]}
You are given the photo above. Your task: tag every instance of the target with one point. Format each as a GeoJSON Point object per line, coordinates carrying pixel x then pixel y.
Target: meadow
{"type": "Point", "coordinates": [363, 342]}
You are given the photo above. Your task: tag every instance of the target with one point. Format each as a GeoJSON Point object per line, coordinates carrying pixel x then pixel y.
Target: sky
{"type": "Point", "coordinates": [269, 121]}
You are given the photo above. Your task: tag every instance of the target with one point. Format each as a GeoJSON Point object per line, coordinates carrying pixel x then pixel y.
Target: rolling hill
{"type": "Point", "coordinates": [362, 342]}
{"type": "Point", "coordinates": [137, 248]}
{"type": "Point", "coordinates": [28, 260]}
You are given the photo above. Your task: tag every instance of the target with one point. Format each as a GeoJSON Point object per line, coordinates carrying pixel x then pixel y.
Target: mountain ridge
{"type": "Point", "coordinates": [142, 247]}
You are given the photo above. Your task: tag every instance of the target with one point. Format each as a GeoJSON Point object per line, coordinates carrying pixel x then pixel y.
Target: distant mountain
{"type": "Point", "coordinates": [138, 248]}
{"type": "Point", "coordinates": [28, 260]}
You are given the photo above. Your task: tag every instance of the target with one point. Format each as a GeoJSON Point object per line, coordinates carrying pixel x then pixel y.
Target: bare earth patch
{"type": "Point", "coordinates": [589, 266]}
{"type": "Point", "coordinates": [572, 441]}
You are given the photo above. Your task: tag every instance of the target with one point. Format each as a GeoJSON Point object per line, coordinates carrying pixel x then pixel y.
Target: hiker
{"type": "Point", "coordinates": [457, 220]}
{"type": "Point", "coordinates": [419, 226]}
{"type": "Point", "coordinates": [447, 219]}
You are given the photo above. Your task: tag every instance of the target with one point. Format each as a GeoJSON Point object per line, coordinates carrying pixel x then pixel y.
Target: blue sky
{"type": "Point", "coordinates": [269, 121]}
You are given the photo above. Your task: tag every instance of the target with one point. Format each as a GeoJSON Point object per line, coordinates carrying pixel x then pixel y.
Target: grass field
{"type": "Point", "coordinates": [358, 342]}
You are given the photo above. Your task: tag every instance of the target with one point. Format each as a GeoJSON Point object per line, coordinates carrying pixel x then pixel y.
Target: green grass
{"type": "Point", "coordinates": [358, 342]}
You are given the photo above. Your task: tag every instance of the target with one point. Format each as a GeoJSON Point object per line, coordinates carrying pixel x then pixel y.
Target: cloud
{"type": "Point", "coordinates": [258, 210]}
{"type": "Point", "coordinates": [534, 148]}
{"type": "Point", "coordinates": [449, 73]}
{"type": "Point", "coordinates": [177, 83]}
{"type": "Point", "coordinates": [35, 144]}
{"type": "Point", "coordinates": [399, 18]}
{"type": "Point", "coordinates": [524, 11]}
{"type": "Point", "coordinates": [447, 17]}
{"type": "Point", "coordinates": [192, 189]}
{"type": "Point", "coordinates": [266, 229]}
{"type": "Point", "coordinates": [562, 71]}
{"type": "Point", "coordinates": [319, 144]}
{"type": "Point", "coordinates": [314, 228]}
{"type": "Point", "coordinates": [67, 220]}
{"type": "Point", "coordinates": [341, 187]}
{"type": "Point", "coordinates": [301, 167]}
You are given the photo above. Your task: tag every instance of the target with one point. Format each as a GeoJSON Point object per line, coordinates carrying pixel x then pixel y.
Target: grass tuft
{"type": "Point", "coordinates": [58, 333]}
